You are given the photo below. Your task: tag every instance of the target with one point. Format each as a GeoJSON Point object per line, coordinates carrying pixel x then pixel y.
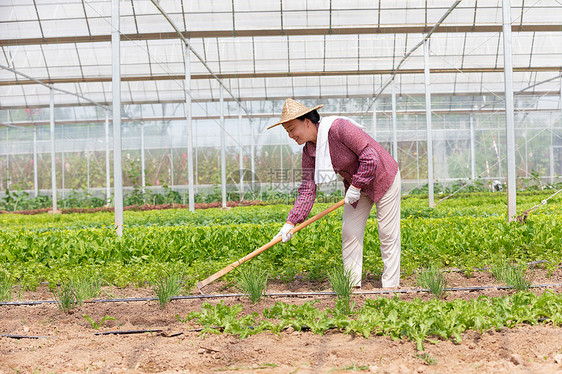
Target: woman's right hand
{"type": "Point", "coordinates": [285, 233]}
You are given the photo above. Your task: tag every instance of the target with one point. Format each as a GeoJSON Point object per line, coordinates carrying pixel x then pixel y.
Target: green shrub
{"type": "Point", "coordinates": [5, 286]}
{"type": "Point", "coordinates": [167, 287]}
{"type": "Point", "coordinates": [342, 282]}
{"type": "Point", "coordinates": [86, 286]}
{"type": "Point", "coordinates": [252, 281]}
{"type": "Point", "coordinates": [512, 275]}
{"type": "Point", "coordinates": [66, 298]}
{"type": "Point", "coordinates": [432, 279]}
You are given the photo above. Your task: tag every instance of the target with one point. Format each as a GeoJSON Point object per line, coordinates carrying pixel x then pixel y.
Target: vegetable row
{"type": "Point", "coordinates": [417, 320]}
{"type": "Point", "coordinates": [198, 251]}
{"type": "Point", "coordinates": [476, 205]}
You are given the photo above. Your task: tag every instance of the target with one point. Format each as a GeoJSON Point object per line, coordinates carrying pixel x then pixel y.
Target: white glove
{"type": "Point", "coordinates": [352, 195]}
{"type": "Point", "coordinates": [285, 233]}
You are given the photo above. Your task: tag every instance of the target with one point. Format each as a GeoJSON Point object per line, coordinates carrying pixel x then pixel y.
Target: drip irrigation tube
{"type": "Point", "coordinates": [159, 331]}
{"type": "Point", "coordinates": [280, 294]}
{"type": "Point", "coordinates": [23, 336]}
{"type": "Point", "coordinates": [128, 332]}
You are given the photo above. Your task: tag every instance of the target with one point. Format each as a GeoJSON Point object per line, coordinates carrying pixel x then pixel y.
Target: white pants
{"type": "Point", "coordinates": [353, 231]}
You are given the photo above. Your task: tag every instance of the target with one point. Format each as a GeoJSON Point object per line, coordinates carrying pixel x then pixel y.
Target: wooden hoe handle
{"type": "Point", "coordinates": [274, 241]}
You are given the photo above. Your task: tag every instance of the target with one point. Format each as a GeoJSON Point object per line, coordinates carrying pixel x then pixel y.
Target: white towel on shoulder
{"type": "Point", "coordinates": [324, 170]}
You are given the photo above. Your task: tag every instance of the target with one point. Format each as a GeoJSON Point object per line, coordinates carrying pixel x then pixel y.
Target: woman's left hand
{"type": "Point", "coordinates": [352, 195]}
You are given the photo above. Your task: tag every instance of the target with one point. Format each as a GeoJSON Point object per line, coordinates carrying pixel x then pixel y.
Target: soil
{"type": "Point", "coordinates": [68, 343]}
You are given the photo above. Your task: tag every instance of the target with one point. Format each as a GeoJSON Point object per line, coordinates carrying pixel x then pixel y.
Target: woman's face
{"type": "Point", "coordinates": [301, 131]}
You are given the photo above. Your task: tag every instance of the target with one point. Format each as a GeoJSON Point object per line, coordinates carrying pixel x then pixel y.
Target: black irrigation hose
{"type": "Point", "coordinates": [28, 302]}
{"type": "Point", "coordinates": [159, 331]}
{"type": "Point", "coordinates": [278, 294]}
{"type": "Point", "coordinates": [23, 336]}
{"type": "Point", "coordinates": [127, 332]}
{"type": "Point", "coordinates": [124, 332]}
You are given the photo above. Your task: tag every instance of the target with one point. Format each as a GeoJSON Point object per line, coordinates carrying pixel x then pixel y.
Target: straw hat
{"type": "Point", "coordinates": [293, 109]}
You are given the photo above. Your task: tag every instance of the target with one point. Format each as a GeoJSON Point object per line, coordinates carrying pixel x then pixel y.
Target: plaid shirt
{"type": "Point", "coordinates": [357, 157]}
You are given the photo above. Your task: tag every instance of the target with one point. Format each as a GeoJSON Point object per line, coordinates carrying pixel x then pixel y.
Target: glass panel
{"type": "Point", "coordinates": [208, 6]}
{"type": "Point", "coordinates": [156, 22]}
{"type": "Point", "coordinates": [64, 27]}
{"type": "Point", "coordinates": [100, 26]}
{"type": "Point", "coordinates": [20, 30]}
{"type": "Point", "coordinates": [257, 21]}
{"type": "Point", "coordinates": [541, 12]}
{"type": "Point", "coordinates": [312, 19]}
{"type": "Point", "coordinates": [18, 12]}
{"type": "Point", "coordinates": [99, 9]}
{"type": "Point", "coordinates": [206, 21]}
{"type": "Point", "coordinates": [291, 5]}
{"type": "Point", "coordinates": [59, 11]}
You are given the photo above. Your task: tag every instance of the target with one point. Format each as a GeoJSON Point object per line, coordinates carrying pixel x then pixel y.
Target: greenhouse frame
{"type": "Point", "coordinates": [456, 91]}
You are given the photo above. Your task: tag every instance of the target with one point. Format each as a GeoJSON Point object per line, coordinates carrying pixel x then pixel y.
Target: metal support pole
{"type": "Point", "coordinates": [375, 120]}
{"type": "Point", "coordinates": [472, 149]}
{"type": "Point", "coordinates": [429, 132]}
{"type": "Point", "coordinates": [2, 175]}
{"type": "Point", "coordinates": [7, 160]}
{"type": "Point", "coordinates": [88, 170]}
{"type": "Point", "coordinates": [170, 133]}
{"type": "Point", "coordinates": [88, 162]}
{"type": "Point", "coordinates": [560, 119]}
{"type": "Point", "coordinates": [196, 156]}
{"type": "Point", "coordinates": [241, 154]}
{"type": "Point", "coordinates": [143, 162]}
{"type": "Point", "coordinates": [35, 176]}
{"type": "Point", "coordinates": [223, 149]}
{"type": "Point", "coordinates": [509, 111]}
{"type": "Point", "coordinates": [116, 95]}
{"type": "Point", "coordinates": [394, 120]}
{"type": "Point", "coordinates": [63, 166]}
{"type": "Point", "coordinates": [526, 150]}
{"type": "Point", "coordinates": [417, 161]}
{"type": "Point", "coordinates": [190, 180]}
{"type": "Point", "coordinates": [107, 166]}
{"type": "Point", "coordinates": [498, 153]}
{"type": "Point", "coordinates": [417, 155]}
{"type": "Point", "coordinates": [252, 155]}
{"type": "Point", "coordinates": [551, 153]}
{"type": "Point", "coordinates": [53, 161]}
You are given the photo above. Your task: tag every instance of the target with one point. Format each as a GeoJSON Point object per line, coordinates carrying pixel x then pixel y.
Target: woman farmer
{"type": "Point", "coordinates": [370, 176]}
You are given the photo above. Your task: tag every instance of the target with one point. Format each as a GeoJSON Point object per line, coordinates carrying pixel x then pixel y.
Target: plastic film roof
{"type": "Point", "coordinates": [272, 49]}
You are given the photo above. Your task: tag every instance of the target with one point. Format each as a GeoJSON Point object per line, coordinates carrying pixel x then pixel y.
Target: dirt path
{"type": "Point", "coordinates": [71, 345]}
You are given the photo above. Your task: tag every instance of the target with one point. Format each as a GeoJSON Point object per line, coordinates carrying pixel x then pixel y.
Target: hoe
{"type": "Point", "coordinates": [274, 241]}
